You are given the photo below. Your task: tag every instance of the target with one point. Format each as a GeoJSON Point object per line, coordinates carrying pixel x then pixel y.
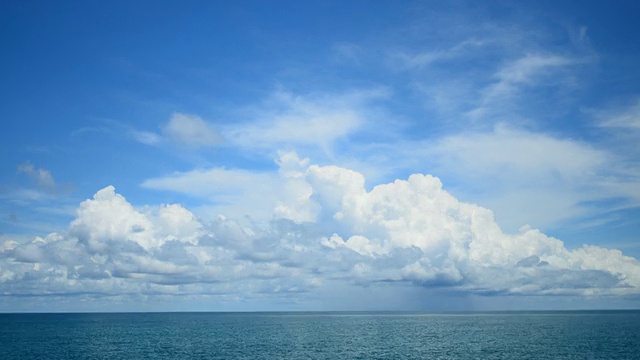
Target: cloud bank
{"type": "Point", "coordinates": [325, 228]}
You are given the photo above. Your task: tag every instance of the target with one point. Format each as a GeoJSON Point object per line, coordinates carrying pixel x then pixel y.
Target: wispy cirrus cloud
{"type": "Point", "coordinates": [530, 71]}
{"type": "Point", "coordinates": [315, 120]}
{"type": "Point", "coordinates": [527, 70]}
{"type": "Point", "coordinates": [622, 117]}
{"type": "Point", "coordinates": [486, 73]}
{"type": "Point", "coordinates": [419, 60]}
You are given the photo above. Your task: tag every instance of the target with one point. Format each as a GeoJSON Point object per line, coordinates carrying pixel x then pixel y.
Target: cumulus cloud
{"type": "Point", "coordinates": [109, 219]}
{"type": "Point", "coordinates": [331, 229]}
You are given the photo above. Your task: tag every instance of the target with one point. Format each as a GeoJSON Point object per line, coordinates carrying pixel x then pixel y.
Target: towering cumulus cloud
{"type": "Point", "coordinates": [326, 229]}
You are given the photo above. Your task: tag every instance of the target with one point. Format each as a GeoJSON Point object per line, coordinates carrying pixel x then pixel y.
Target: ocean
{"type": "Point", "coordinates": [302, 335]}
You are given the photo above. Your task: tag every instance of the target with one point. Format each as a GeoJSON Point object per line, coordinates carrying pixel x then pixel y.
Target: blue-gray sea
{"type": "Point", "coordinates": [510, 335]}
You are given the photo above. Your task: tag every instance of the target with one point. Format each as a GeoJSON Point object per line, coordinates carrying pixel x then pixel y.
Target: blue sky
{"type": "Point", "coordinates": [286, 155]}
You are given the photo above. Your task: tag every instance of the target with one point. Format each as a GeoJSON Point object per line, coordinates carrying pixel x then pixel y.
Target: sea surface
{"type": "Point", "coordinates": [504, 335]}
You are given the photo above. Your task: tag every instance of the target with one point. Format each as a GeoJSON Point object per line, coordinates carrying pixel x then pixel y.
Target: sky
{"type": "Point", "coordinates": [319, 155]}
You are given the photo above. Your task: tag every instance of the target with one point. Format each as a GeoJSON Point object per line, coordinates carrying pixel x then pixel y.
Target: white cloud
{"type": "Point", "coordinates": [239, 193]}
{"type": "Point", "coordinates": [507, 152]}
{"type": "Point", "coordinates": [426, 58]}
{"type": "Point", "coordinates": [212, 183]}
{"type": "Point", "coordinates": [625, 118]}
{"type": "Point", "coordinates": [528, 71]}
{"type": "Point", "coordinates": [621, 126]}
{"type": "Point", "coordinates": [407, 232]}
{"type": "Point", "coordinates": [146, 137]}
{"type": "Point", "coordinates": [525, 69]}
{"type": "Point", "coordinates": [315, 120]}
{"type": "Point", "coordinates": [108, 220]}
{"type": "Point", "coordinates": [191, 130]}
{"type": "Point", "coordinates": [528, 177]}
{"type": "Point", "coordinates": [622, 130]}
{"type": "Point", "coordinates": [41, 176]}
{"type": "Point", "coordinates": [181, 129]}
{"type": "Point", "coordinates": [525, 176]}
{"type": "Point", "coordinates": [460, 243]}
{"type": "Point", "coordinates": [235, 192]}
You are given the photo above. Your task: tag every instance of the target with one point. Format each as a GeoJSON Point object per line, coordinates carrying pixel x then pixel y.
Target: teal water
{"type": "Point", "coordinates": [518, 335]}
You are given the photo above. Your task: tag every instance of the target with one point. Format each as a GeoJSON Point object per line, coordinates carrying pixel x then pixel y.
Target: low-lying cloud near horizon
{"type": "Point", "coordinates": [325, 228]}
